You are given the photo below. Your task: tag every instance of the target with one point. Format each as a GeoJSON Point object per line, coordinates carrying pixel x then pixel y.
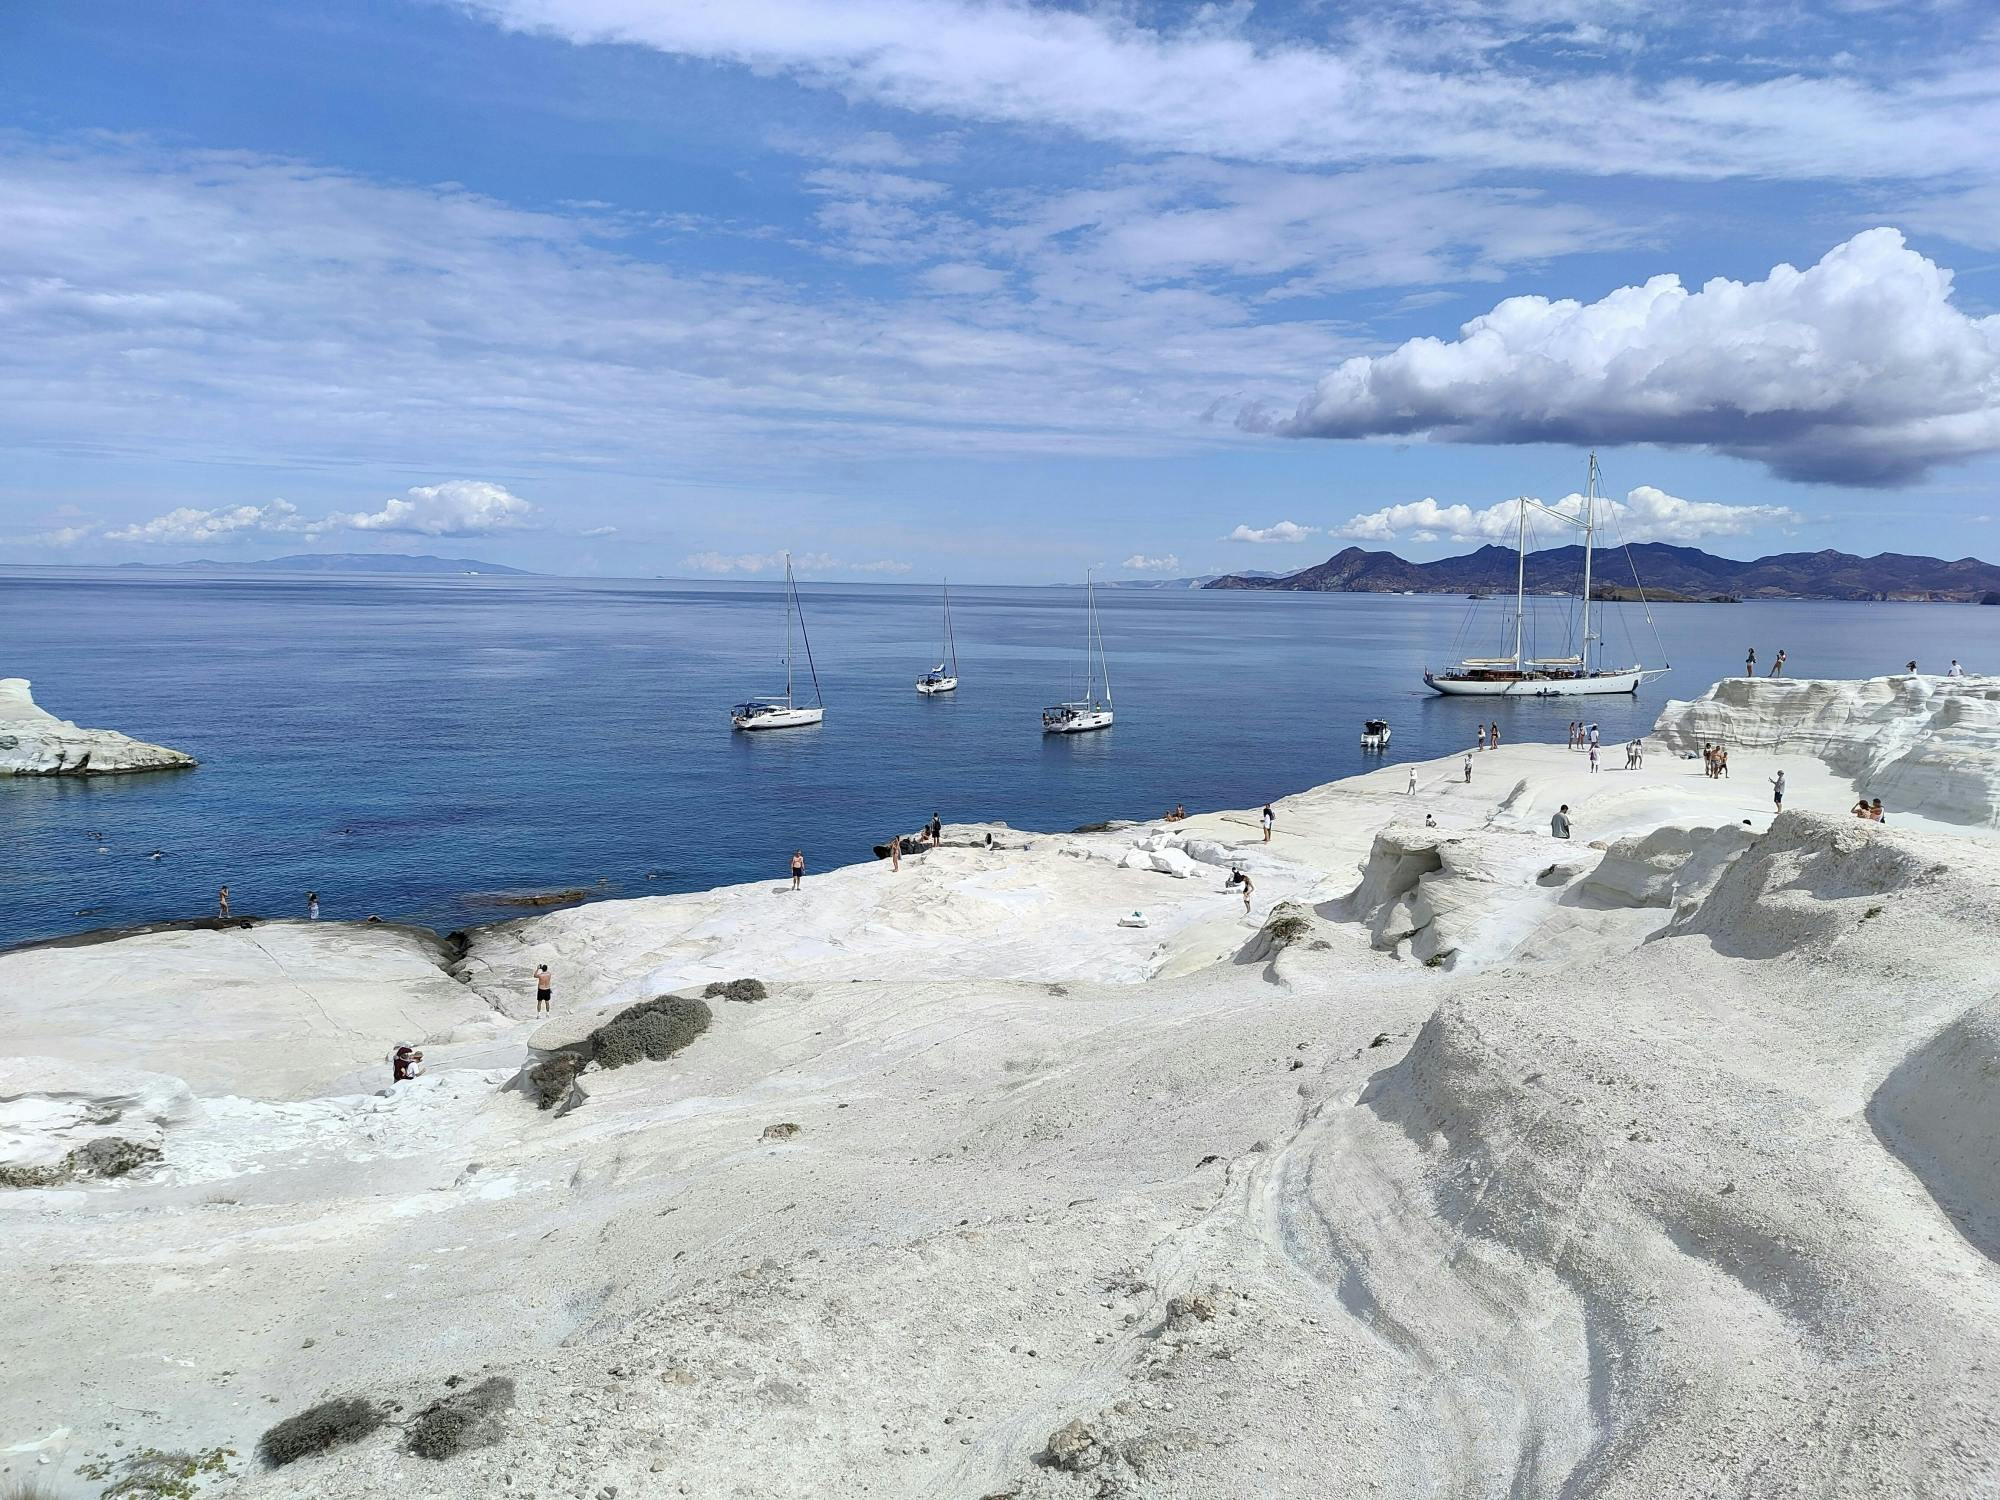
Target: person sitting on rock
{"type": "Point", "coordinates": [1875, 810]}
{"type": "Point", "coordinates": [408, 1064]}
{"type": "Point", "coordinates": [1861, 809]}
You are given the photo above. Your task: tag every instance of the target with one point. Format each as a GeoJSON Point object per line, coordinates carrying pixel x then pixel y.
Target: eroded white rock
{"type": "Point", "coordinates": [34, 742]}
{"type": "Point", "coordinates": [1923, 744]}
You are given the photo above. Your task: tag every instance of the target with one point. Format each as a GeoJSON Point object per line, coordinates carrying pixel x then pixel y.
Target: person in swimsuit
{"type": "Point", "coordinates": [1875, 811]}
{"type": "Point", "coordinates": [798, 867]}
{"type": "Point", "coordinates": [545, 983]}
{"type": "Point", "coordinates": [312, 906]}
{"type": "Point", "coordinates": [1750, 663]}
{"type": "Point", "coordinates": [895, 854]}
{"type": "Point", "coordinates": [1778, 664]}
{"type": "Point", "coordinates": [1493, 737]}
{"type": "Point", "coordinates": [222, 902]}
{"type": "Point", "coordinates": [1482, 736]}
{"type": "Point", "coordinates": [1468, 768]}
{"type": "Point", "coordinates": [1268, 818]}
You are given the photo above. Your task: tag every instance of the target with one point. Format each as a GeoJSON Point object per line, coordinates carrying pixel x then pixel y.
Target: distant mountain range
{"type": "Point", "coordinates": [1685, 571]}
{"type": "Point", "coordinates": [348, 562]}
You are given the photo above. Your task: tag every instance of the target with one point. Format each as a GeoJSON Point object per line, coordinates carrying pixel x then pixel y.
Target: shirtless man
{"type": "Point", "coordinates": [544, 985]}
{"type": "Point", "coordinates": [798, 867]}
{"type": "Point", "coordinates": [222, 902]}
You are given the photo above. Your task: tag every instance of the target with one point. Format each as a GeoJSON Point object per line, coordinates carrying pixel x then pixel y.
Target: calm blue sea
{"type": "Point", "coordinates": [405, 746]}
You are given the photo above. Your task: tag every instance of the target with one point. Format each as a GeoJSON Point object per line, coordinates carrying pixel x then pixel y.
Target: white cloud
{"type": "Point", "coordinates": [1858, 370]}
{"type": "Point", "coordinates": [458, 507]}
{"type": "Point", "coordinates": [1374, 91]}
{"type": "Point", "coordinates": [188, 526]}
{"type": "Point", "coordinates": [1284, 531]}
{"type": "Point", "coordinates": [882, 565]}
{"type": "Point", "coordinates": [597, 531]}
{"type": "Point", "coordinates": [1138, 562]}
{"type": "Point", "coordinates": [1645, 515]}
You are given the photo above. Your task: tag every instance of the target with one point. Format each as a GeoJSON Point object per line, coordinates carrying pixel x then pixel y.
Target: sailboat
{"type": "Point", "coordinates": [786, 712]}
{"type": "Point", "coordinates": [938, 679]}
{"type": "Point", "coordinates": [1520, 676]}
{"type": "Point", "coordinates": [1086, 712]}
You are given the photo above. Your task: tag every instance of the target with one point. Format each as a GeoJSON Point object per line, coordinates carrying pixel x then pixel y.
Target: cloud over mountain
{"type": "Point", "coordinates": [1645, 515]}
{"type": "Point", "coordinates": [1858, 370]}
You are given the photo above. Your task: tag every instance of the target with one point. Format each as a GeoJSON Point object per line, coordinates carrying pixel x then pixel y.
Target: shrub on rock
{"type": "Point", "coordinates": [745, 990]}
{"type": "Point", "coordinates": [651, 1031]}
{"type": "Point", "coordinates": [319, 1429]}
{"type": "Point", "coordinates": [465, 1419]}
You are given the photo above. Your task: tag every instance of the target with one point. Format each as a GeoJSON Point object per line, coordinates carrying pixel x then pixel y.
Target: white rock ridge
{"type": "Point", "coordinates": [34, 742]}
{"type": "Point", "coordinates": [1923, 744]}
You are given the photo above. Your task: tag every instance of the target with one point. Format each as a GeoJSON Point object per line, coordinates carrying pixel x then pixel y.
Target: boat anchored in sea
{"type": "Point", "coordinates": [1524, 676]}
{"type": "Point", "coordinates": [785, 712]}
{"type": "Point", "coordinates": [938, 679]}
{"type": "Point", "coordinates": [1087, 712]}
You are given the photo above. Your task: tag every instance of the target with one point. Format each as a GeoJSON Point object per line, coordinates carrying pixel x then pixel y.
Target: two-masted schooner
{"type": "Point", "coordinates": [1522, 676]}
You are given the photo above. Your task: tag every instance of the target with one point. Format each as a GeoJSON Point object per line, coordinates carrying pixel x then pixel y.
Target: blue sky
{"type": "Point", "coordinates": [996, 291]}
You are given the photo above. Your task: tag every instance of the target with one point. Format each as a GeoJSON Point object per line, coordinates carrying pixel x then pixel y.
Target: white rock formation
{"type": "Point", "coordinates": [1708, 1204]}
{"type": "Point", "coordinates": [34, 742]}
{"type": "Point", "coordinates": [1923, 744]}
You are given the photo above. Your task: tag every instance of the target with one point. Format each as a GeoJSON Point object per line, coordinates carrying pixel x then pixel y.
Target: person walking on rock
{"type": "Point", "coordinates": [1721, 764]}
{"type": "Point", "coordinates": [1593, 759]}
{"type": "Point", "coordinates": [1559, 824]}
{"type": "Point", "coordinates": [798, 867]}
{"type": "Point", "coordinates": [222, 902]}
{"type": "Point", "coordinates": [545, 984]}
{"type": "Point", "coordinates": [1778, 792]}
{"type": "Point", "coordinates": [1268, 818]}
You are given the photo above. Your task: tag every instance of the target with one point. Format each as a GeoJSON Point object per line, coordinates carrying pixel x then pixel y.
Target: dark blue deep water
{"type": "Point", "coordinates": [405, 746]}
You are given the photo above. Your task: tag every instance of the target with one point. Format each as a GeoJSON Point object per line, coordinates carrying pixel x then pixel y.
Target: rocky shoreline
{"type": "Point", "coordinates": [1654, 1162]}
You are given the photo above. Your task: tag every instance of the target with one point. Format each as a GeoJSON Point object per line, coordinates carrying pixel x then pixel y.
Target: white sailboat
{"type": "Point", "coordinates": [1087, 712]}
{"type": "Point", "coordinates": [786, 712]}
{"type": "Point", "coordinates": [938, 679]}
{"type": "Point", "coordinates": [1520, 676]}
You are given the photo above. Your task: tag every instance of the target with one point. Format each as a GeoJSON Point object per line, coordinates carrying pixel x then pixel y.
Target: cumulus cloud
{"type": "Point", "coordinates": [1645, 515]}
{"type": "Point", "coordinates": [1138, 562]}
{"type": "Point", "coordinates": [458, 507]}
{"type": "Point", "coordinates": [1284, 531]}
{"type": "Point", "coordinates": [188, 526]}
{"type": "Point", "coordinates": [455, 508]}
{"type": "Point", "coordinates": [1858, 370]}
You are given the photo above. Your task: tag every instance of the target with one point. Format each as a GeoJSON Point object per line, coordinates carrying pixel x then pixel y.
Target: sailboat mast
{"type": "Point", "coordinates": [1103, 662]}
{"type": "Point", "coordinates": [1089, 636]}
{"type": "Point", "coordinates": [1589, 530]}
{"type": "Point", "coordinates": [791, 594]}
{"type": "Point", "coordinates": [1520, 582]}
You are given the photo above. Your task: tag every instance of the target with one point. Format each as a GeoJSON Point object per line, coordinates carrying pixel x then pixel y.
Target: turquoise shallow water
{"type": "Point", "coordinates": [405, 746]}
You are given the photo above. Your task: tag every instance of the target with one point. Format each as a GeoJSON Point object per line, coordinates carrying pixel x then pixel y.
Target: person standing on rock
{"type": "Point", "coordinates": [1955, 670]}
{"type": "Point", "coordinates": [1778, 792]}
{"type": "Point", "coordinates": [936, 830]}
{"type": "Point", "coordinates": [1482, 736]}
{"type": "Point", "coordinates": [1559, 824]}
{"type": "Point", "coordinates": [1268, 819]}
{"type": "Point", "coordinates": [1593, 758]}
{"type": "Point", "coordinates": [1411, 789]}
{"type": "Point", "coordinates": [1468, 768]}
{"type": "Point", "coordinates": [545, 984]}
{"type": "Point", "coordinates": [895, 854]}
{"type": "Point", "coordinates": [1493, 737]}
{"type": "Point", "coordinates": [798, 867]}
{"type": "Point", "coordinates": [1721, 764]}
{"type": "Point", "coordinates": [1750, 663]}
{"type": "Point", "coordinates": [312, 906]}
{"type": "Point", "coordinates": [1778, 664]}
{"type": "Point", "coordinates": [222, 902]}
{"type": "Point", "coordinates": [1241, 880]}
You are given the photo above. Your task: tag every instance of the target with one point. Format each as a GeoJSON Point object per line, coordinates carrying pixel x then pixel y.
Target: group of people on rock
{"type": "Point", "coordinates": [1872, 811]}
{"type": "Point", "coordinates": [1489, 736]}
{"type": "Point", "coordinates": [1715, 762]}
{"type": "Point", "coordinates": [1777, 664]}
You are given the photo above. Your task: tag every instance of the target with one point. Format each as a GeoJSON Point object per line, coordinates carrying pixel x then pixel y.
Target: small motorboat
{"type": "Point", "coordinates": [1375, 734]}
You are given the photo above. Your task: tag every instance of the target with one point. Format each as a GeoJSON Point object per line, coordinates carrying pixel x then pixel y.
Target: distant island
{"type": "Point", "coordinates": [1669, 574]}
{"type": "Point", "coordinates": [348, 562]}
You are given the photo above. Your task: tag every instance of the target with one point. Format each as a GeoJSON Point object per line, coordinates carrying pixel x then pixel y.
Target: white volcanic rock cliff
{"type": "Point", "coordinates": [1923, 744]}
{"type": "Point", "coordinates": [34, 742]}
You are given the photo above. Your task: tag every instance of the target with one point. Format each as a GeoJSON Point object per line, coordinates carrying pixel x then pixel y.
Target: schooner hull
{"type": "Point", "coordinates": [1540, 687]}
{"type": "Point", "coordinates": [784, 718]}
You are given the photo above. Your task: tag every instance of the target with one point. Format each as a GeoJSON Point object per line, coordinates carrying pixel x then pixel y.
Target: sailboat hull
{"type": "Point", "coordinates": [1077, 722]}
{"type": "Point", "coordinates": [930, 686]}
{"type": "Point", "coordinates": [778, 718]}
{"type": "Point", "coordinates": [1596, 683]}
